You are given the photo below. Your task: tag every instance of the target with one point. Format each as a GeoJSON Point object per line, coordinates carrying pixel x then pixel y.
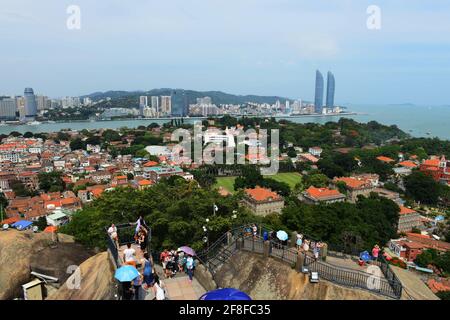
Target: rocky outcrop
{"type": "Point", "coordinates": [96, 282]}
{"type": "Point", "coordinates": [17, 249]}
{"type": "Point", "coordinates": [268, 279]}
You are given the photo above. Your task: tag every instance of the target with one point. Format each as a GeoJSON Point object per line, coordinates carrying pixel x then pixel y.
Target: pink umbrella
{"type": "Point", "coordinates": [188, 250]}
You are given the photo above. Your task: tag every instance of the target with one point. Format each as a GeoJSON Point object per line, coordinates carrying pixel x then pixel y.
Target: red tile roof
{"type": "Point", "coordinates": [352, 182]}
{"type": "Point", "coordinates": [404, 210]}
{"type": "Point", "coordinates": [385, 159]}
{"type": "Point", "coordinates": [320, 193]}
{"type": "Point", "coordinates": [145, 182]}
{"type": "Point", "coordinates": [151, 164]}
{"type": "Point", "coordinates": [408, 164]}
{"type": "Point", "coordinates": [262, 194]}
{"type": "Point", "coordinates": [10, 220]}
{"type": "Point", "coordinates": [431, 162]}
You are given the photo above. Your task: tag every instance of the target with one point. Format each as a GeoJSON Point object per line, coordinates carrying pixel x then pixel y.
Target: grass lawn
{"type": "Point", "coordinates": [226, 182]}
{"type": "Point", "coordinates": [291, 178]}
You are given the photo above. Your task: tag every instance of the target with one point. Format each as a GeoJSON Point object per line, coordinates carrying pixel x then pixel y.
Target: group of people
{"type": "Point", "coordinates": [146, 280]}
{"type": "Point", "coordinates": [174, 261]}
{"type": "Point", "coordinates": [306, 245]}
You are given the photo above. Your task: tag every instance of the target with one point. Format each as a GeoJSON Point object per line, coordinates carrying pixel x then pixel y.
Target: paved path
{"type": "Point", "coordinates": [413, 285]}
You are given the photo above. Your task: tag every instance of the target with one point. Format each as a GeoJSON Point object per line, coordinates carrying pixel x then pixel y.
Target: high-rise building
{"type": "Point", "coordinates": [20, 102]}
{"type": "Point", "coordinates": [41, 102]}
{"type": "Point", "coordinates": [318, 100]}
{"type": "Point", "coordinates": [8, 109]}
{"type": "Point", "coordinates": [166, 105]}
{"type": "Point", "coordinates": [30, 104]}
{"type": "Point", "coordinates": [155, 103]}
{"type": "Point", "coordinates": [179, 103]}
{"type": "Point", "coordinates": [330, 90]}
{"type": "Point", "coordinates": [143, 103]}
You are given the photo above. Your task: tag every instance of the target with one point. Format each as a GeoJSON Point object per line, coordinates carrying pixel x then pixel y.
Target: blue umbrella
{"type": "Point", "coordinates": [126, 273]}
{"type": "Point", "coordinates": [282, 235]}
{"type": "Point", "coordinates": [225, 294]}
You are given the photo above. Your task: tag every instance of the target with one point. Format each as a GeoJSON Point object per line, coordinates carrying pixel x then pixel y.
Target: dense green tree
{"type": "Point", "coordinates": [422, 188]}
{"type": "Point", "coordinates": [175, 213]}
{"type": "Point", "coordinates": [317, 180]}
{"type": "Point", "coordinates": [51, 181]}
{"type": "Point", "coordinates": [77, 144]}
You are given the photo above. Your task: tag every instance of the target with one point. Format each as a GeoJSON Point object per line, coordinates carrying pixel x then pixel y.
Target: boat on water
{"type": "Point", "coordinates": [33, 123]}
{"type": "Point", "coordinates": [3, 123]}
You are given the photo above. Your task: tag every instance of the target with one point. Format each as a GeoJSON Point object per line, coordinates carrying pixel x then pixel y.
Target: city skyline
{"type": "Point", "coordinates": [402, 62]}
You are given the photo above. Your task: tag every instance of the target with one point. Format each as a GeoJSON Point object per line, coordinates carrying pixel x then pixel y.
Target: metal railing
{"type": "Point", "coordinates": [126, 232]}
{"type": "Point", "coordinates": [224, 248]}
{"type": "Point", "coordinates": [354, 278]}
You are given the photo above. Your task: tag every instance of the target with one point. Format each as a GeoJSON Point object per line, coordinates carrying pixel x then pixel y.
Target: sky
{"type": "Point", "coordinates": [264, 47]}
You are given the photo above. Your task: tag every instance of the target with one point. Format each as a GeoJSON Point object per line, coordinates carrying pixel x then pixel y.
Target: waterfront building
{"type": "Point", "coordinates": [30, 104]}
{"type": "Point", "coordinates": [41, 102]}
{"type": "Point", "coordinates": [155, 103]}
{"type": "Point", "coordinates": [318, 100]}
{"type": "Point", "coordinates": [8, 109]}
{"type": "Point", "coordinates": [166, 105]}
{"type": "Point", "coordinates": [330, 90]}
{"type": "Point", "coordinates": [143, 103]}
{"type": "Point", "coordinates": [179, 103]}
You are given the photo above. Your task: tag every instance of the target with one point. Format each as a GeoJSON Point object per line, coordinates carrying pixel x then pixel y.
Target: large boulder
{"type": "Point", "coordinates": [22, 251]}
{"type": "Point", "coordinates": [269, 279]}
{"type": "Point", "coordinates": [96, 282]}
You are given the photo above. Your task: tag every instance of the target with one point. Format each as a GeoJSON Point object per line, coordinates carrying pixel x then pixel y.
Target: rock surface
{"type": "Point", "coordinates": [269, 279]}
{"type": "Point", "coordinates": [19, 250]}
{"type": "Point", "coordinates": [96, 282]}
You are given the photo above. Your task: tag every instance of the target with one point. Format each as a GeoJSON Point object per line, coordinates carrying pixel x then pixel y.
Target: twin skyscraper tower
{"type": "Point", "coordinates": [318, 100]}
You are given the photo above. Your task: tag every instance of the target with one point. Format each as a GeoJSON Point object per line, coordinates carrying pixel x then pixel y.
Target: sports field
{"type": "Point", "coordinates": [291, 178]}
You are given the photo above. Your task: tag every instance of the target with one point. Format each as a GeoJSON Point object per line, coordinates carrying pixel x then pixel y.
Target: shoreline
{"type": "Point", "coordinates": [11, 123]}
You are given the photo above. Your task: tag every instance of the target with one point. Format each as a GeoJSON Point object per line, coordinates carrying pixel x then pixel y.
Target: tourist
{"type": "Point", "coordinates": [181, 261]}
{"type": "Point", "coordinates": [140, 223]}
{"type": "Point", "coordinates": [112, 231]}
{"type": "Point", "coordinates": [255, 231]}
{"type": "Point", "coordinates": [141, 240]}
{"type": "Point", "coordinates": [306, 246]}
{"type": "Point", "coordinates": [167, 265]}
{"type": "Point", "coordinates": [129, 255]}
{"type": "Point", "coordinates": [190, 267]}
{"type": "Point", "coordinates": [316, 251]}
{"type": "Point", "coordinates": [137, 286]}
{"type": "Point", "coordinates": [127, 291]}
{"type": "Point", "coordinates": [147, 271]}
{"type": "Point", "coordinates": [159, 289]}
{"type": "Point", "coordinates": [265, 236]}
{"type": "Point", "coordinates": [375, 252]}
{"type": "Point", "coordinates": [299, 241]}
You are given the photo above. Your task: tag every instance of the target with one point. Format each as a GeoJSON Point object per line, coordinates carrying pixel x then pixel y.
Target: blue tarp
{"type": "Point", "coordinates": [365, 256]}
{"type": "Point", "coordinates": [22, 224]}
{"type": "Point", "coordinates": [225, 294]}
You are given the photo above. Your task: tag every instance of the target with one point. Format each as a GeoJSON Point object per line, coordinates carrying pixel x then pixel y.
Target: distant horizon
{"type": "Point", "coordinates": [396, 54]}
{"type": "Point", "coordinates": [38, 93]}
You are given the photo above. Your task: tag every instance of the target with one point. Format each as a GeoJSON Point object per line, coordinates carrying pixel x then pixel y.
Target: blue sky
{"type": "Point", "coordinates": [243, 47]}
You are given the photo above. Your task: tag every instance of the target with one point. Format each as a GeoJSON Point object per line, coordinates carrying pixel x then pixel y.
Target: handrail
{"type": "Point", "coordinates": [390, 280]}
